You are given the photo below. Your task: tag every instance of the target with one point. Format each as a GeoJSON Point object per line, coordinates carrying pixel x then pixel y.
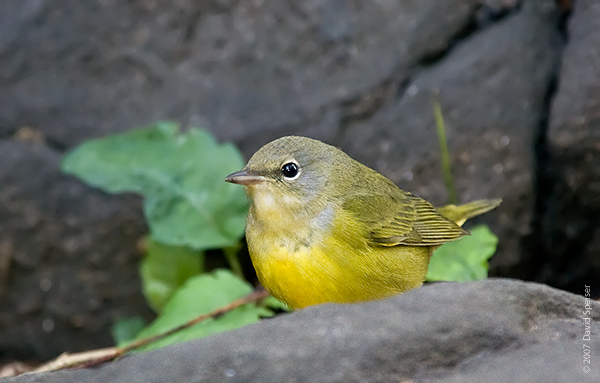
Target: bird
{"type": "Point", "coordinates": [324, 228]}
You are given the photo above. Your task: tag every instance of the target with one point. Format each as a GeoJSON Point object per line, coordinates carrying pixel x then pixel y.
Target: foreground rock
{"type": "Point", "coordinates": [489, 331]}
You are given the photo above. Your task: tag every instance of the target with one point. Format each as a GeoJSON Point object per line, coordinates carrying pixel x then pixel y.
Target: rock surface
{"type": "Point", "coordinates": [60, 255]}
{"type": "Point", "coordinates": [490, 331]}
{"type": "Point", "coordinates": [243, 69]}
{"type": "Point", "coordinates": [571, 232]}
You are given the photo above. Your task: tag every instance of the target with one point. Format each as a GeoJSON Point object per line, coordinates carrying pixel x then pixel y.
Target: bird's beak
{"type": "Point", "coordinates": [245, 177]}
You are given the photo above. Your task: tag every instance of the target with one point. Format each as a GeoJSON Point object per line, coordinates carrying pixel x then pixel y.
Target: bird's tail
{"type": "Point", "coordinates": [459, 214]}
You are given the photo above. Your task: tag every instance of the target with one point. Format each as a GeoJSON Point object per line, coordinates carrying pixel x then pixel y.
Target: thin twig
{"type": "Point", "coordinates": [254, 296]}
{"type": "Point", "coordinates": [97, 357]}
{"type": "Point", "coordinates": [68, 360]}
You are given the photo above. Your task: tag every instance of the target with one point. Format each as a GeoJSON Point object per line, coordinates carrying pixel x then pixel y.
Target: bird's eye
{"type": "Point", "coordinates": [290, 170]}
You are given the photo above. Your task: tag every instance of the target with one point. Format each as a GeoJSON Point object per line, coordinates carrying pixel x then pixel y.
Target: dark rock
{"type": "Point", "coordinates": [499, 5]}
{"type": "Point", "coordinates": [490, 331]}
{"type": "Point", "coordinates": [494, 10]}
{"type": "Point", "coordinates": [67, 270]}
{"type": "Point", "coordinates": [572, 221]}
{"type": "Point", "coordinates": [491, 90]}
{"type": "Point", "coordinates": [244, 69]}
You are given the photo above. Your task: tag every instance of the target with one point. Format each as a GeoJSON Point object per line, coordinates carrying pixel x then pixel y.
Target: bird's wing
{"type": "Point", "coordinates": [401, 219]}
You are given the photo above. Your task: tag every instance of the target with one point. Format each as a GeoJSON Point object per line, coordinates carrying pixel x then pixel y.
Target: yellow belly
{"type": "Point", "coordinates": [334, 269]}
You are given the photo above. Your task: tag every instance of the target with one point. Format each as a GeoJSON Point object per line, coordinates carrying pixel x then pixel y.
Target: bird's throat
{"type": "Point", "coordinates": [284, 222]}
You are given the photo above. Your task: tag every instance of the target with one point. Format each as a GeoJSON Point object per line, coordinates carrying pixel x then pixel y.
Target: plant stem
{"type": "Point", "coordinates": [446, 169]}
{"type": "Point", "coordinates": [233, 260]}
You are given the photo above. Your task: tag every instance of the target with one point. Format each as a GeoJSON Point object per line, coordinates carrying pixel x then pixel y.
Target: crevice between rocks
{"type": "Point", "coordinates": [367, 104]}
{"type": "Point", "coordinates": [536, 248]}
{"type": "Point", "coordinates": [482, 17]}
{"type": "Point", "coordinates": [56, 146]}
{"type": "Point", "coordinates": [543, 182]}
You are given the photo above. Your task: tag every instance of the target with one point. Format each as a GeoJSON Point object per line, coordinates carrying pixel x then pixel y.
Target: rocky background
{"type": "Point", "coordinates": [518, 83]}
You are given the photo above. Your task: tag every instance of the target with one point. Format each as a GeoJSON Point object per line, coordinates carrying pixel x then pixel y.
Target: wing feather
{"type": "Point", "coordinates": [402, 219]}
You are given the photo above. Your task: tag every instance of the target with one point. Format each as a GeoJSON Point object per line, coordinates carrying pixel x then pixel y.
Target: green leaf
{"type": "Point", "coordinates": [274, 303]}
{"type": "Point", "coordinates": [203, 294]}
{"type": "Point", "coordinates": [181, 175]}
{"type": "Point", "coordinates": [165, 268]}
{"type": "Point", "coordinates": [126, 329]}
{"type": "Point", "coordinates": [465, 259]}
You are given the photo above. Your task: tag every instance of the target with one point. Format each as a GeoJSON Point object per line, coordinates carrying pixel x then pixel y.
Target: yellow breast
{"type": "Point", "coordinates": [304, 263]}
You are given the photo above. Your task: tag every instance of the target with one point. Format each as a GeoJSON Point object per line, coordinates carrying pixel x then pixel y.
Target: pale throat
{"type": "Point", "coordinates": [288, 219]}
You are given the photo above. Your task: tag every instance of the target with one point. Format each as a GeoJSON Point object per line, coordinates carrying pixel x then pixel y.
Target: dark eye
{"type": "Point", "coordinates": [289, 170]}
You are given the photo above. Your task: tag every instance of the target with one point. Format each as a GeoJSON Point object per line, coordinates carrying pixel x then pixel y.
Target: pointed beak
{"type": "Point", "coordinates": [245, 177]}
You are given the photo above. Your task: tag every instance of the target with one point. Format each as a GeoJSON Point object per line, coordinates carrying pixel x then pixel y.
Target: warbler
{"type": "Point", "coordinates": [323, 227]}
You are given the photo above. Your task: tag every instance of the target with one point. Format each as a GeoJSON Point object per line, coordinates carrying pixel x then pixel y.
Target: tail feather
{"type": "Point", "coordinates": [459, 214]}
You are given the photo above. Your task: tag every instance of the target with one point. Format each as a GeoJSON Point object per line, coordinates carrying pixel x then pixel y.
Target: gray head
{"type": "Point", "coordinates": [292, 166]}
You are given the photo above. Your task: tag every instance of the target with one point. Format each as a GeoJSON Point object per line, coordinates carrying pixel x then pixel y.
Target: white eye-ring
{"type": "Point", "coordinates": [290, 170]}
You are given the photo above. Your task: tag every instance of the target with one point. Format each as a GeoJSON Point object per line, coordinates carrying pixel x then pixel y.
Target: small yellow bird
{"type": "Point", "coordinates": [323, 227]}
